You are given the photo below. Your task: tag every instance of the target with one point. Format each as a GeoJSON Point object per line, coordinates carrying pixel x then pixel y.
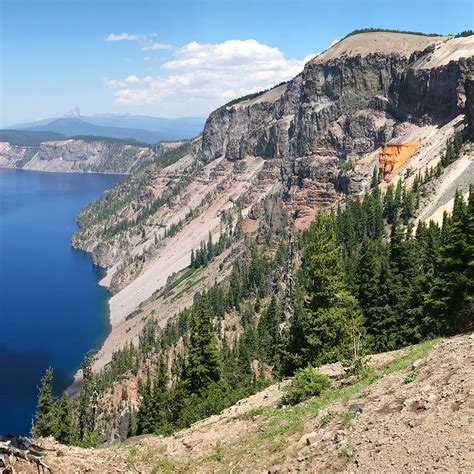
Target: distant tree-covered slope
{"type": "Point", "coordinates": [49, 151]}
{"type": "Point", "coordinates": [28, 137]}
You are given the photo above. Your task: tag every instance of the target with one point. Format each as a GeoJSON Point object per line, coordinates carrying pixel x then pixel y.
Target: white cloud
{"type": "Point", "coordinates": [204, 76]}
{"type": "Point", "coordinates": [156, 46]}
{"type": "Point", "coordinates": [129, 37]}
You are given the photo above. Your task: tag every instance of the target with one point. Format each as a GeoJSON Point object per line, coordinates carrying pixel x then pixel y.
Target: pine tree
{"type": "Point", "coordinates": [377, 210]}
{"type": "Point", "coordinates": [210, 248]}
{"type": "Point", "coordinates": [204, 359]}
{"type": "Point", "coordinates": [87, 403]}
{"type": "Point", "coordinates": [268, 332]}
{"type": "Point", "coordinates": [146, 420]}
{"type": "Point", "coordinates": [397, 200]}
{"type": "Point", "coordinates": [450, 305]}
{"type": "Point", "coordinates": [367, 280]}
{"type": "Point", "coordinates": [375, 178]}
{"type": "Point", "coordinates": [44, 420]}
{"type": "Point", "coordinates": [63, 431]}
{"type": "Point", "coordinates": [389, 205]}
{"type": "Point", "coordinates": [323, 328]}
{"type": "Point", "coordinates": [408, 206]}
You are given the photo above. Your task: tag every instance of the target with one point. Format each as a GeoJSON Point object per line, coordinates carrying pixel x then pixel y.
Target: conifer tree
{"type": "Point", "coordinates": [204, 359]}
{"type": "Point", "coordinates": [43, 423]}
{"type": "Point", "coordinates": [451, 299]}
{"type": "Point", "coordinates": [87, 403]}
{"type": "Point", "coordinates": [268, 331]}
{"type": "Point", "coordinates": [389, 205]}
{"type": "Point", "coordinates": [375, 178]}
{"type": "Point", "coordinates": [368, 280]}
{"type": "Point", "coordinates": [63, 431]}
{"type": "Point", "coordinates": [397, 200]}
{"type": "Point", "coordinates": [210, 248]}
{"type": "Point", "coordinates": [146, 420]}
{"type": "Point", "coordinates": [323, 328]}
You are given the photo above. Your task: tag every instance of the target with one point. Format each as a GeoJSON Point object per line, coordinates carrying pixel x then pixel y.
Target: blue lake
{"type": "Point", "coordinates": [52, 310]}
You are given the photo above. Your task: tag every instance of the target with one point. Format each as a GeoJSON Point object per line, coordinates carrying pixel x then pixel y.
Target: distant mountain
{"type": "Point", "coordinates": [142, 128]}
{"type": "Point", "coordinates": [190, 125]}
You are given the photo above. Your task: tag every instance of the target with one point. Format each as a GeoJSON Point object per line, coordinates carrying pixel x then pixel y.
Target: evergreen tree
{"type": "Point", "coordinates": [389, 204]}
{"type": "Point", "coordinates": [210, 248]}
{"type": "Point", "coordinates": [375, 178]}
{"type": "Point", "coordinates": [44, 419]}
{"type": "Point", "coordinates": [146, 420]}
{"type": "Point", "coordinates": [63, 431]}
{"type": "Point", "coordinates": [323, 328]}
{"type": "Point", "coordinates": [368, 281]}
{"type": "Point", "coordinates": [87, 404]}
{"type": "Point", "coordinates": [408, 205]}
{"type": "Point", "coordinates": [450, 305]}
{"type": "Point", "coordinates": [397, 200]}
{"type": "Point", "coordinates": [268, 332]}
{"type": "Point", "coordinates": [204, 360]}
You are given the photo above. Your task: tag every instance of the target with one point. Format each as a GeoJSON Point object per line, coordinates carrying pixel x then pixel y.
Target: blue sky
{"type": "Point", "coordinates": [175, 58]}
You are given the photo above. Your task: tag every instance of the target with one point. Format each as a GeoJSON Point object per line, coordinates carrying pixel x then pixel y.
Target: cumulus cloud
{"type": "Point", "coordinates": [206, 75]}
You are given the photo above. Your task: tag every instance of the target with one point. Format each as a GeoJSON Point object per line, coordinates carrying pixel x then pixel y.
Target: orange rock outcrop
{"type": "Point", "coordinates": [393, 155]}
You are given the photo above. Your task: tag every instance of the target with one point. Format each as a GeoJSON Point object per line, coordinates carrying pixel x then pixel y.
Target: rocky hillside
{"type": "Point", "coordinates": [410, 412]}
{"type": "Point", "coordinates": [79, 154]}
{"type": "Point", "coordinates": [365, 91]}
{"type": "Point", "coordinates": [307, 144]}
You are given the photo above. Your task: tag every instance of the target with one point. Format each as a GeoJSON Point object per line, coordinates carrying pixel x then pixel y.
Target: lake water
{"type": "Point", "coordinates": [52, 310]}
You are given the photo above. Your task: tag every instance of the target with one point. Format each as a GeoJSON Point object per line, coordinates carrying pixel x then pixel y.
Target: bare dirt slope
{"type": "Point", "coordinates": [379, 42]}
{"type": "Point", "coordinates": [459, 175]}
{"type": "Point", "coordinates": [419, 423]}
{"type": "Point", "coordinates": [176, 254]}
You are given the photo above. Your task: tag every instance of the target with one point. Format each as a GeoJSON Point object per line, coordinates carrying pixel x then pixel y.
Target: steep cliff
{"type": "Point", "coordinates": [346, 103]}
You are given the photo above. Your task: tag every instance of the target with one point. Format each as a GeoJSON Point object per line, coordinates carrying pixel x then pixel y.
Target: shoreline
{"type": "Point", "coordinates": [64, 171]}
{"type": "Point", "coordinates": [168, 260]}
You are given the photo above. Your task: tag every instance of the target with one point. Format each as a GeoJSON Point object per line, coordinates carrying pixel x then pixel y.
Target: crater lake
{"type": "Point", "coordinates": [52, 308]}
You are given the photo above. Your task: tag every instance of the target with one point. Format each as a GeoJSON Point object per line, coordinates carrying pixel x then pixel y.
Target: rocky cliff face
{"type": "Point", "coordinates": [347, 102]}
{"type": "Point", "coordinates": [79, 155]}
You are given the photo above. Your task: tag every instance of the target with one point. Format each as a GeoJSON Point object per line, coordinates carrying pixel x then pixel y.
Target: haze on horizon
{"type": "Point", "coordinates": [179, 58]}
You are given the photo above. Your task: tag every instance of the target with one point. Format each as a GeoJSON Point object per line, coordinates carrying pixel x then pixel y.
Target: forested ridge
{"type": "Point", "coordinates": [365, 279]}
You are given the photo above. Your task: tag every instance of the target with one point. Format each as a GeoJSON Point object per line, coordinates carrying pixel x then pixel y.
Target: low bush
{"type": "Point", "coordinates": [306, 383]}
{"type": "Point", "coordinates": [410, 377]}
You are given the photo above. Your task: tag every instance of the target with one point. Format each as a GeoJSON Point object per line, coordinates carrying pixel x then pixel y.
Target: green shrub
{"type": "Point", "coordinates": [306, 383]}
{"type": "Point", "coordinates": [326, 419]}
{"type": "Point", "coordinates": [348, 417]}
{"type": "Point", "coordinates": [411, 376]}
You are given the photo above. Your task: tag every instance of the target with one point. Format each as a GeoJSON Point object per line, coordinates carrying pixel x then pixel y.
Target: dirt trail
{"type": "Point", "coordinates": [420, 424]}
